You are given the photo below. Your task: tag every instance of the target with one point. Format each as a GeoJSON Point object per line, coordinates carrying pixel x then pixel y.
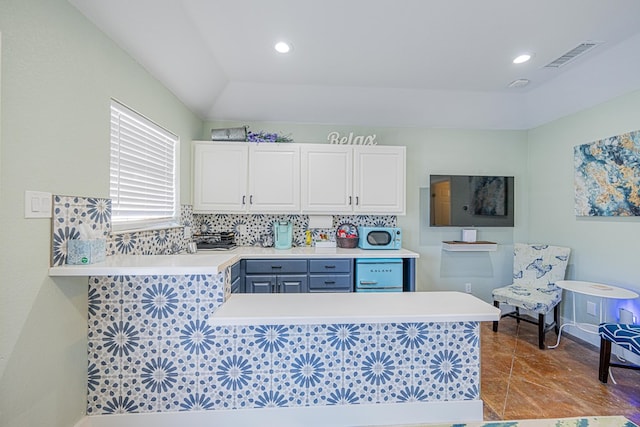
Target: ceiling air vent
{"type": "Point", "coordinates": [519, 83]}
{"type": "Point", "coordinates": [577, 51]}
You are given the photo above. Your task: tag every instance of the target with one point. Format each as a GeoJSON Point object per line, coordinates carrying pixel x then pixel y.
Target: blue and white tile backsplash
{"type": "Point", "coordinates": [250, 230]}
{"type": "Point", "coordinates": [257, 230]}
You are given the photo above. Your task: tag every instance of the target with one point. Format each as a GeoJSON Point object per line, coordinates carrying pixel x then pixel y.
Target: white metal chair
{"type": "Point", "coordinates": [536, 268]}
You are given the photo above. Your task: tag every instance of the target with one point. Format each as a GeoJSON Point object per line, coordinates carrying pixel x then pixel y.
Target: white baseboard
{"type": "Point", "coordinates": [308, 416]}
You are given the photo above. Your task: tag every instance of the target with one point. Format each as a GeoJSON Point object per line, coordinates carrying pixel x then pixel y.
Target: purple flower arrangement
{"type": "Point", "coordinates": [262, 136]}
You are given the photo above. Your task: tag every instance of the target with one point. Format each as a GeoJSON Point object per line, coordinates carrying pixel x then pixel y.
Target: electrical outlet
{"type": "Point", "coordinates": [592, 308]}
{"type": "Point", "coordinates": [187, 232]}
{"type": "Point", "coordinates": [467, 288]}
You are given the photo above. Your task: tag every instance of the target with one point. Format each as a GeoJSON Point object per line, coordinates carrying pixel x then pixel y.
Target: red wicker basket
{"type": "Point", "coordinates": [347, 242]}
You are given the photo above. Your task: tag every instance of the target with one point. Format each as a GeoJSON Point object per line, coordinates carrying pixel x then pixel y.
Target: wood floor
{"type": "Point", "coordinates": [519, 381]}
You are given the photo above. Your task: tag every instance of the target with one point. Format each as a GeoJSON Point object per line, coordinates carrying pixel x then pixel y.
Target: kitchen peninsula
{"type": "Point", "coordinates": [166, 334]}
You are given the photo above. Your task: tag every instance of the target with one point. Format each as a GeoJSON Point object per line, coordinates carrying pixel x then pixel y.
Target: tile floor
{"type": "Point", "coordinates": [519, 381]}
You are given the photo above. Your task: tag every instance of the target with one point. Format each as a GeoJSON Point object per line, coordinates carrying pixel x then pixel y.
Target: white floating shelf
{"type": "Point", "coordinates": [459, 246]}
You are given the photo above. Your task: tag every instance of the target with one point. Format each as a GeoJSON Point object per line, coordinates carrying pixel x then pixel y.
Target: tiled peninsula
{"type": "Point", "coordinates": [179, 341]}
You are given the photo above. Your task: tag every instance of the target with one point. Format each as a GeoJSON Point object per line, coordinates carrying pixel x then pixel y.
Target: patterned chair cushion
{"type": "Point", "coordinates": [536, 268]}
{"type": "Point", "coordinates": [539, 300]}
{"type": "Point", "coordinates": [625, 335]}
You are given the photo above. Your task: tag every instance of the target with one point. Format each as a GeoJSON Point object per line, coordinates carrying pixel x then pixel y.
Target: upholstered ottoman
{"type": "Point", "coordinates": [626, 336]}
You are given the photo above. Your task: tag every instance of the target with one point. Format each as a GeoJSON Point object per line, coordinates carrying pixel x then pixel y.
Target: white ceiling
{"type": "Point", "coordinates": [423, 63]}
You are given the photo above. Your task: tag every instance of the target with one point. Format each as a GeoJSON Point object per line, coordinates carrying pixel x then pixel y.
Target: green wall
{"type": "Point", "coordinates": [58, 75]}
{"type": "Point", "coordinates": [604, 249]}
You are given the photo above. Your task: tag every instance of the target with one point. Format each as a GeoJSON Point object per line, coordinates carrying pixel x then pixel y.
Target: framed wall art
{"type": "Point", "coordinates": [607, 176]}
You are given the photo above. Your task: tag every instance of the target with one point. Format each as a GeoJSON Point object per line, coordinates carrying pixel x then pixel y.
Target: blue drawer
{"type": "Point", "coordinates": [275, 266]}
{"type": "Point", "coordinates": [329, 266]}
{"type": "Point", "coordinates": [330, 283]}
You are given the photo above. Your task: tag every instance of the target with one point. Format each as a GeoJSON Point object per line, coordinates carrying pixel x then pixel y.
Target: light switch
{"type": "Point", "coordinates": [37, 204]}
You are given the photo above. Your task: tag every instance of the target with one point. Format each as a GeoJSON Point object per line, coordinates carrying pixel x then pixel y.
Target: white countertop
{"type": "Point", "coordinates": [386, 307]}
{"type": "Point", "coordinates": [249, 252]}
{"type": "Point", "coordinates": [210, 262]}
{"type": "Point", "coordinates": [146, 265]}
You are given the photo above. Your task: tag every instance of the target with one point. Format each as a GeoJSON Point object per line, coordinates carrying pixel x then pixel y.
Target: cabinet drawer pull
{"type": "Point", "coordinates": [329, 282]}
{"type": "Point", "coordinates": [329, 266]}
{"type": "Point", "coordinates": [276, 266]}
{"type": "Point", "coordinates": [364, 282]}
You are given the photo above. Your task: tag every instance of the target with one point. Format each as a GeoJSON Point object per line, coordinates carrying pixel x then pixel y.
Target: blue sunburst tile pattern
{"type": "Point", "coordinates": [153, 347]}
{"type": "Point", "coordinates": [250, 230]}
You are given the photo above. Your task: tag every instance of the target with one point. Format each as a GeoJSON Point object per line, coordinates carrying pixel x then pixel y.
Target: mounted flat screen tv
{"type": "Point", "coordinates": [471, 201]}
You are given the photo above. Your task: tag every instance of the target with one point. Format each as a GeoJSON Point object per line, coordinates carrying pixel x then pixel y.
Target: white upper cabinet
{"type": "Point", "coordinates": [219, 177]}
{"type": "Point", "coordinates": [238, 177]}
{"type": "Point", "coordinates": [379, 179]}
{"type": "Point", "coordinates": [274, 178]}
{"type": "Point", "coordinates": [327, 178]}
{"type": "Point", "coordinates": [342, 179]}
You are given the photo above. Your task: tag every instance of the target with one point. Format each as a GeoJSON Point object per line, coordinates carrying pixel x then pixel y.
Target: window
{"type": "Point", "coordinates": [142, 173]}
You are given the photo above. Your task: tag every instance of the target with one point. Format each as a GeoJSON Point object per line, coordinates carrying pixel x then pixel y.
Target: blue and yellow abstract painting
{"type": "Point", "coordinates": [607, 176]}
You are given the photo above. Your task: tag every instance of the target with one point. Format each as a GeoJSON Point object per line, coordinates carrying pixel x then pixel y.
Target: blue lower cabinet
{"type": "Point", "coordinates": [323, 275]}
{"type": "Point", "coordinates": [256, 284]}
{"type": "Point", "coordinates": [292, 284]}
{"type": "Point", "coordinates": [236, 279]}
{"type": "Point", "coordinates": [272, 284]}
{"type": "Point", "coordinates": [275, 276]}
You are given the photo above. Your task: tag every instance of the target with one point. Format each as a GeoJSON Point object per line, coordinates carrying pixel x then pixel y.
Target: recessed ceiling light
{"type": "Point", "coordinates": [282, 47]}
{"type": "Point", "coordinates": [522, 58]}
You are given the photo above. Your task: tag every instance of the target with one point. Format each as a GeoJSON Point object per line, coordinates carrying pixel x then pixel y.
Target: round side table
{"type": "Point", "coordinates": [599, 290]}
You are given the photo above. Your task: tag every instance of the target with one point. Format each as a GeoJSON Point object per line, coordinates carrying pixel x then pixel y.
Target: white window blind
{"type": "Point", "coordinates": [142, 173]}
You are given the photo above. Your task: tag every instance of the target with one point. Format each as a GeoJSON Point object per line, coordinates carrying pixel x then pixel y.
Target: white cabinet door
{"type": "Point", "coordinates": [220, 177]}
{"type": "Point", "coordinates": [274, 178]}
{"type": "Point", "coordinates": [327, 178]}
{"type": "Point", "coordinates": [379, 179]}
